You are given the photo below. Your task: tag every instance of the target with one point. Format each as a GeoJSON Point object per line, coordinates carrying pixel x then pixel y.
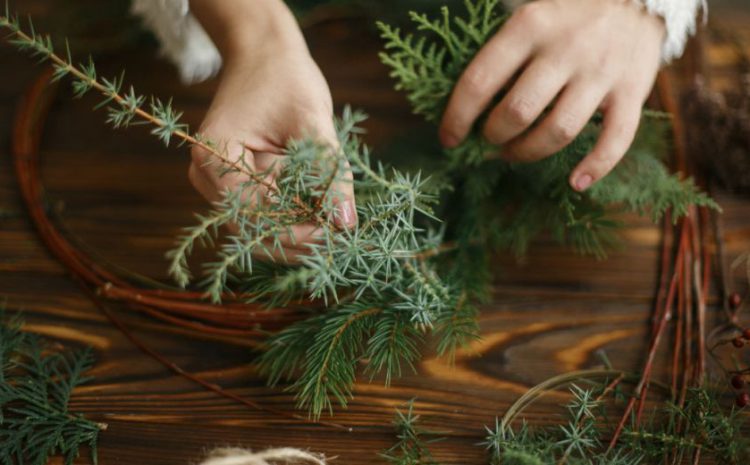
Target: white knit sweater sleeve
{"type": "Point", "coordinates": [185, 42]}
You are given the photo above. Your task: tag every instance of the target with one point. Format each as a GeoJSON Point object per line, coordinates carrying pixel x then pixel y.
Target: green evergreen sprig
{"type": "Point", "coordinates": [36, 383]}
{"type": "Point", "coordinates": [417, 263]}
{"type": "Point", "coordinates": [384, 266]}
{"type": "Point", "coordinates": [677, 432]}
{"type": "Point", "coordinates": [505, 205]}
{"type": "Point", "coordinates": [413, 442]}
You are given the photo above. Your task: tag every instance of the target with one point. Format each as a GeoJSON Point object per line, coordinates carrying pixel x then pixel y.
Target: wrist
{"type": "Point", "coordinates": [248, 48]}
{"type": "Point", "coordinates": [248, 30]}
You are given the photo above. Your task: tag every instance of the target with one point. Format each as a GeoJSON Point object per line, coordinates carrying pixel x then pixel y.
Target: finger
{"type": "Point", "coordinates": [269, 165]}
{"type": "Point", "coordinates": [234, 160]}
{"type": "Point", "coordinates": [287, 247]}
{"type": "Point", "coordinates": [526, 100]}
{"type": "Point", "coordinates": [342, 189]}
{"type": "Point", "coordinates": [231, 175]}
{"type": "Point", "coordinates": [490, 71]}
{"type": "Point", "coordinates": [561, 126]}
{"type": "Point", "coordinates": [202, 183]}
{"type": "Point", "coordinates": [287, 256]}
{"type": "Point", "coordinates": [621, 118]}
{"type": "Point", "coordinates": [340, 194]}
{"type": "Point", "coordinates": [301, 235]}
{"type": "Point", "coordinates": [291, 245]}
{"type": "Point", "coordinates": [285, 250]}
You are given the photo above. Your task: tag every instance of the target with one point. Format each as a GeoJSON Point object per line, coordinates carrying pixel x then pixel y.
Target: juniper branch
{"type": "Point", "coordinates": [390, 280]}
{"type": "Point", "coordinates": [128, 107]}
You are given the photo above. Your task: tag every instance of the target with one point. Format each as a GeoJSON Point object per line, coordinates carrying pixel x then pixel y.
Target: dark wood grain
{"type": "Point", "coordinates": [126, 197]}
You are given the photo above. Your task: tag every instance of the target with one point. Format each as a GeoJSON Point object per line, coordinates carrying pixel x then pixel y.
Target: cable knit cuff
{"type": "Point", "coordinates": [680, 17]}
{"type": "Point", "coordinates": [183, 39]}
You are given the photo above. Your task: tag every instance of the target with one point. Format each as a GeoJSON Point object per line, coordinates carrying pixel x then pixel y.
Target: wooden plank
{"type": "Point", "coordinates": [126, 196]}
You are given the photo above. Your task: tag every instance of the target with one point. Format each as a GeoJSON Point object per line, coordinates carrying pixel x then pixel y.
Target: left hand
{"type": "Point", "coordinates": [573, 56]}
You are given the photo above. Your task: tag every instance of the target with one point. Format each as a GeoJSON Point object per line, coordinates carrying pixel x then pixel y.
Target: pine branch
{"type": "Point", "coordinates": [125, 108]}
{"type": "Point", "coordinates": [35, 388]}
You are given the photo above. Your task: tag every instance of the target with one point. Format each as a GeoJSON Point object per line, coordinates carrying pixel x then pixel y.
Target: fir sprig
{"type": "Point", "coordinates": [36, 383]}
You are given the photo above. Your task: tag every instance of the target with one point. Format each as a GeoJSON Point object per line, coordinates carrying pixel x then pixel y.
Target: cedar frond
{"type": "Point", "coordinates": [36, 383]}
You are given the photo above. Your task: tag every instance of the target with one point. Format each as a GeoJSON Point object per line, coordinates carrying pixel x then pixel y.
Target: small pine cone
{"type": "Point", "coordinates": [737, 382]}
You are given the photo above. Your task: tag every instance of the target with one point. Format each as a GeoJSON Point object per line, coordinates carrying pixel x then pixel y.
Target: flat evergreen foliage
{"type": "Point", "coordinates": [523, 200]}
{"type": "Point", "coordinates": [418, 261]}
{"type": "Point", "coordinates": [36, 382]}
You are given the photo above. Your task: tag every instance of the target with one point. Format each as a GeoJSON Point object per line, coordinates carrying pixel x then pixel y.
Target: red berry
{"type": "Point", "coordinates": [743, 399]}
{"type": "Point", "coordinates": [738, 342]}
{"type": "Point", "coordinates": [737, 381]}
{"type": "Point", "coordinates": [746, 334]}
{"type": "Point", "coordinates": [735, 300]}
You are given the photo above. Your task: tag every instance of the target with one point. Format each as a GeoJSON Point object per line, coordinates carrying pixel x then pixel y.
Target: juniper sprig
{"type": "Point", "coordinates": [582, 436]}
{"type": "Point", "coordinates": [418, 261]}
{"type": "Point", "coordinates": [36, 384]}
{"type": "Point", "coordinates": [413, 442]}
{"type": "Point", "coordinates": [701, 424]}
{"type": "Point", "coordinates": [384, 267]}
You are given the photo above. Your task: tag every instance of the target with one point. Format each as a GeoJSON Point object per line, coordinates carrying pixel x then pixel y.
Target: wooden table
{"type": "Point", "coordinates": [126, 196]}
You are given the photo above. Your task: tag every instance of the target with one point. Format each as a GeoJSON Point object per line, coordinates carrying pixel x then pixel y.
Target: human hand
{"type": "Point", "coordinates": [573, 57]}
{"type": "Point", "coordinates": [267, 97]}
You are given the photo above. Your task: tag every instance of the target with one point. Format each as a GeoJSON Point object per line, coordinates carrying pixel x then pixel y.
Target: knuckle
{"type": "Point", "coordinates": [520, 111]}
{"type": "Point", "coordinates": [564, 129]}
{"type": "Point", "coordinates": [199, 155]}
{"type": "Point", "coordinates": [530, 15]}
{"type": "Point", "coordinates": [606, 67]}
{"type": "Point", "coordinates": [476, 81]}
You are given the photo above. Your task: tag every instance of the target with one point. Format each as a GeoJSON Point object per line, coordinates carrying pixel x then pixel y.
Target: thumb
{"type": "Point", "coordinates": [341, 191]}
{"type": "Point", "coordinates": [345, 211]}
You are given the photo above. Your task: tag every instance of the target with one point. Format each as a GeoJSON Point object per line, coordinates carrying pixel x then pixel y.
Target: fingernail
{"type": "Point", "coordinates": [346, 216]}
{"type": "Point", "coordinates": [583, 182]}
